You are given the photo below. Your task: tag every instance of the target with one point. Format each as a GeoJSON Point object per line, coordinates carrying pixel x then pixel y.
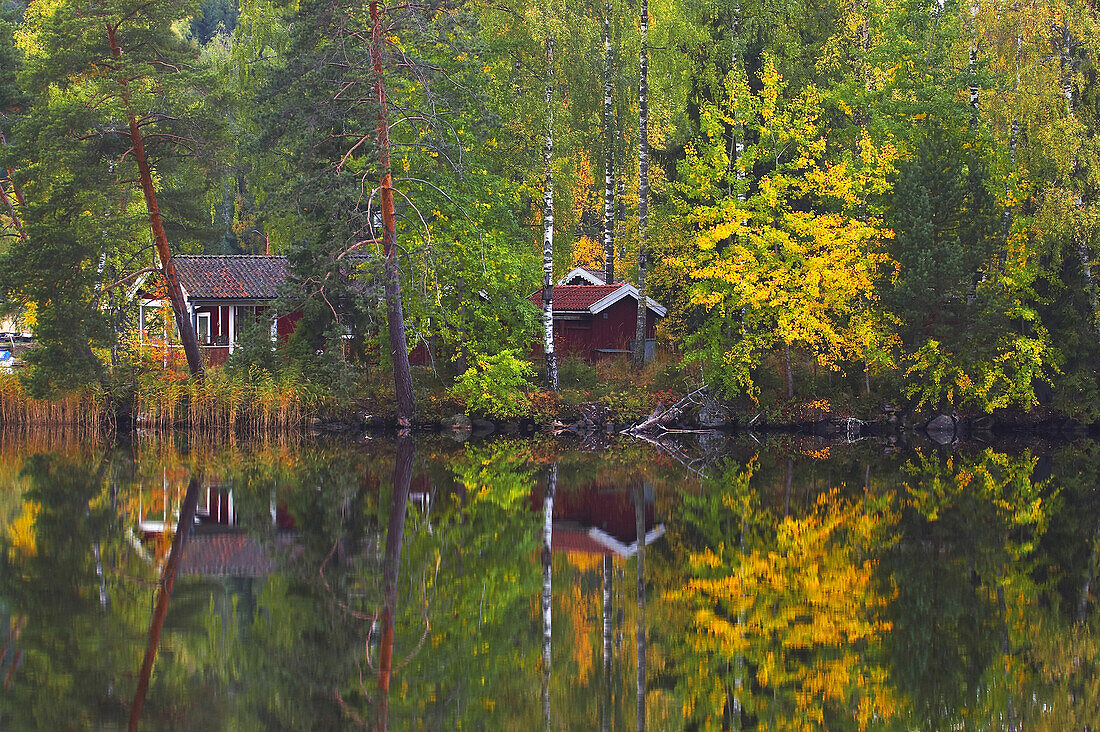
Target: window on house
{"type": "Point", "coordinates": [203, 328]}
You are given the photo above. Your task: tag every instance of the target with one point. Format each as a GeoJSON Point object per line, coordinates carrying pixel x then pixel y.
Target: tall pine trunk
{"type": "Point", "coordinates": [164, 253]}
{"type": "Point", "coordinates": [164, 596]}
{"type": "Point", "coordinates": [609, 151]}
{"type": "Point", "coordinates": [548, 226]}
{"type": "Point", "coordinates": [391, 563]}
{"type": "Point", "coordinates": [643, 183]}
{"type": "Point", "coordinates": [16, 193]}
{"type": "Point", "coordinates": [395, 316]}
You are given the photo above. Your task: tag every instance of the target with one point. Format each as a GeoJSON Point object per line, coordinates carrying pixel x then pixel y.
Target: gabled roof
{"type": "Point", "coordinates": [594, 299]}
{"type": "Point", "coordinates": [573, 298]}
{"type": "Point", "coordinates": [233, 554]}
{"type": "Point", "coordinates": [584, 275]}
{"type": "Point", "coordinates": [569, 537]}
{"type": "Point", "coordinates": [231, 276]}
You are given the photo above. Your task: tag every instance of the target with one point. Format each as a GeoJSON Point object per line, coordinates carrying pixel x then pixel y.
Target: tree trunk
{"type": "Point", "coordinates": [790, 372]}
{"type": "Point", "coordinates": [16, 220]}
{"type": "Point", "coordinates": [609, 152]}
{"type": "Point", "coordinates": [548, 226]}
{"type": "Point", "coordinates": [974, 89]}
{"type": "Point", "coordinates": [164, 253]}
{"type": "Point", "coordinates": [639, 519]}
{"type": "Point", "coordinates": [643, 183]}
{"type": "Point", "coordinates": [605, 708]}
{"type": "Point", "coordinates": [395, 316]}
{"type": "Point", "coordinates": [391, 562]}
{"type": "Point", "coordinates": [547, 584]}
{"type": "Point", "coordinates": [164, 595]}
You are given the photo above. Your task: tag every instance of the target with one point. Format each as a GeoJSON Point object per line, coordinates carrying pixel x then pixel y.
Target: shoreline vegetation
{"type": "Point", "coordinates": [874, 213]}
{"type": "Point", "coordinates": [595, 400]}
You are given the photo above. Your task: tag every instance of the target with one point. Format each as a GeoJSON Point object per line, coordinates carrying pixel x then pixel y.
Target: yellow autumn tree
{"type": "Point", "coordinates": [783, 615]}
{"type": "Point", "coordinates": [786, 254]}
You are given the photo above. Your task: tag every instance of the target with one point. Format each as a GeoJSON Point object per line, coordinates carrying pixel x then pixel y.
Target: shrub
{"type": "Point", "coordinates": [497, 385]}
{"type": "Point", "coordinates": [573, 373]}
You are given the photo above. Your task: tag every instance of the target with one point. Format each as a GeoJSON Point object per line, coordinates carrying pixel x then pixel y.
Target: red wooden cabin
{"type": "Point", "coordinates": [592, 321]}
{"type": "Point", "coordinates": [223, 292]}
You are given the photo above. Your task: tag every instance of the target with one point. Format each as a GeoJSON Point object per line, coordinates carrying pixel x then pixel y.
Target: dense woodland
{"type": "Point", "coordinates": [891, 198]}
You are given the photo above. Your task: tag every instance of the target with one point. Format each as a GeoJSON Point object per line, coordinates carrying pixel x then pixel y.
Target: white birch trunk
{"type": "Point", "coordinates": [548, 226]}
{"type": "Point", "coordinates": [643, 184]}
{"type": "Point", "coordinates": [547, 584]}
{"type": "Point", "coordinates": [974, 91]}
{"type": "Point", "coordinates": [609, 152]}
{"type": "Point", "coordinates": [639, 518]}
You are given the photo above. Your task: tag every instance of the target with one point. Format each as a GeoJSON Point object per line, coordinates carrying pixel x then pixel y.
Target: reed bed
{"type": "Point", "coordinates": [253, 401]}
{"type": "Point", "coordinates": [88, 408]}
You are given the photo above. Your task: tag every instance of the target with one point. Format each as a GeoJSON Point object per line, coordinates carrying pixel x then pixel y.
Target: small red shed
{"type": "Point", "coordinates": [593, 321]}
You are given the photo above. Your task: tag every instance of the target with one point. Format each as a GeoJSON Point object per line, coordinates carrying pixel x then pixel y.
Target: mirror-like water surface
{"type": "Point", "coordinates": [424, 584]}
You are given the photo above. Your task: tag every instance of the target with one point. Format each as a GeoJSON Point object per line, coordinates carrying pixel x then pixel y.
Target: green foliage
{"type": "Point", "coordinates": [575, 373]}
{"type": "Point", "coordinates": [496, 385]}
{"type": "Point", "coordinates": [85, 216]}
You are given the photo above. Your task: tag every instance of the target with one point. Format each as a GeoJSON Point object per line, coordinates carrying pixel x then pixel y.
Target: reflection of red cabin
{"type": "Point", "coordinates": [600, 519]}
{"type": "Point", "coordinates": [596, 320]}
{"type": "Point", "coordinates": [216, 544]}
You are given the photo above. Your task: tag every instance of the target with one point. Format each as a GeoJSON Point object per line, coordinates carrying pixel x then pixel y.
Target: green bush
{"type": "Point", "coordinates": [573, 373]}
{"type": "Point", "coordinates": [497, 385]}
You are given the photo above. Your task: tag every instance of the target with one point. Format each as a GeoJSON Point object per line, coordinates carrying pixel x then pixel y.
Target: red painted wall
{"type": "Point", "coordinates": [616, 330]}
{"type": "Point", "coordinates": [611, 329]}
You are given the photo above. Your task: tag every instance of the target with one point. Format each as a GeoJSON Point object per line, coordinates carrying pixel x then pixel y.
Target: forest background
{"type": "Point", "coordinates": [875, 201]}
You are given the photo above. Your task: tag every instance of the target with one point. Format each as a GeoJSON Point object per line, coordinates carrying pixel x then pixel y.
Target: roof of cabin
{"type": "Point", "coordinates": [225, 554]}
{"type": "Point", "coordinates": [231, 276]}
{"type": "Point", "coordinates": [593, 298]}
{"type": "Point", "coordinates": [587, 275]}
{"type": "Point", "coordinates": [577, 297]}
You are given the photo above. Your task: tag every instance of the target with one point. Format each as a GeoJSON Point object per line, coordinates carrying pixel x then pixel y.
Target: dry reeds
{"type": "Point", "coordinates": [87, 408]}
{"type": "Point", "coordinates": [257, 401]}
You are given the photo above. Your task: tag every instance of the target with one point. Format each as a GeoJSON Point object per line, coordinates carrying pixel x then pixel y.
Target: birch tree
{"type": "Point", "coordinates": [548, 224]}
{"type": "Point", "coordinates": [643, 182]}
{"type": "Point", "coordinates": [791, 266]}
{"type": "Point", "coordinates": [609, 149]}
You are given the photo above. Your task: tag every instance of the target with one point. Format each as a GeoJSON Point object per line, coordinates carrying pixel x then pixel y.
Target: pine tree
{"type": "Point", "coordinates": [121, 116]}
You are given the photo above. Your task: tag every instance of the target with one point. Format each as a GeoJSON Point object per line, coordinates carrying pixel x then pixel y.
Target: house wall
{"type": "Point", "coordinates": [216, 350]}
{"type": "Point", "coordinates": [582, 335]}
{"type": "Point", "coordinates": [573, 336]}
{"type": "Point", "coordinates": [614, 327]}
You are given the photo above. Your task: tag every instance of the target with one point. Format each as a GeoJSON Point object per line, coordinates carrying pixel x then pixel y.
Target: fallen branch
{"type": "Point", "coordinates": [660, 418]}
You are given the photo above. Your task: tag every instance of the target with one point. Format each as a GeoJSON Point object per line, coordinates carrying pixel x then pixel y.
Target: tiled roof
{"type": "Point", "coordinates": [225, 554]}
{"type": "Point", "coordinates": [595, 272]}
{"type": "Point", "coordinates": [575, 539]}
{"type": "Point", "coordinates": [231, 276]}
{"type": "Point", "coordinates": [577, 297]}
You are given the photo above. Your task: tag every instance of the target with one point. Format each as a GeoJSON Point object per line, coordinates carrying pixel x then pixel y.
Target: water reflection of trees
{"type": "Point", "coordinates": [795, 587]}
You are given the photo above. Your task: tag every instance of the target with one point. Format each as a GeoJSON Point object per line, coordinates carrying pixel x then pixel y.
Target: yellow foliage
{"type": "Point", "coordinates": [587, 252]}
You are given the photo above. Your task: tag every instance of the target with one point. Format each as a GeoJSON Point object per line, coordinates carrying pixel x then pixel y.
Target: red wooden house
{"type": "Point", "coordinates": [600, 518]}
{"type": "Point", "coordinates": [222, 292]}
{"type": "Point", "coordinates": [596, 320]}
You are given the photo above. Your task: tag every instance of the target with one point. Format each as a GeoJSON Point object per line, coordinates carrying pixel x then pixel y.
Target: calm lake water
{"type": "Point", "coordinates": [518, 585]}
